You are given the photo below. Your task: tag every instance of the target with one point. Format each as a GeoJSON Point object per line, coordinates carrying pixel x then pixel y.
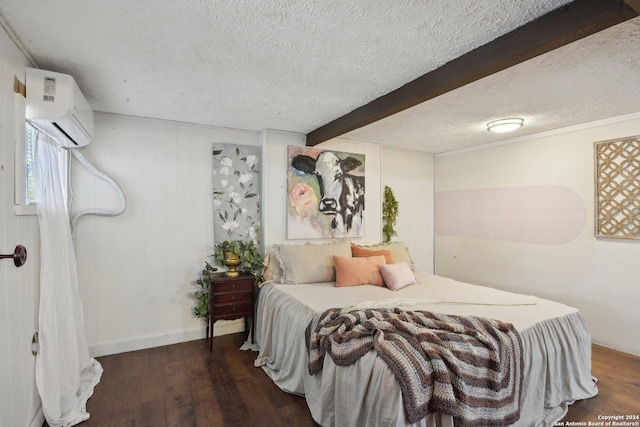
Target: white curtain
{"type": "Point", "coordinates": [65, 373]}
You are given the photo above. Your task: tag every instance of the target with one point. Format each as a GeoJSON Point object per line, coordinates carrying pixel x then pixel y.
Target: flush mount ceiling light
{"type": "Point", "coordinates": [505, 125]}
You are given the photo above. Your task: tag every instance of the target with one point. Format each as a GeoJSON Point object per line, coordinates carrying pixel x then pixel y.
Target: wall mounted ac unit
{"type": "Point", "coordinates": [56, 106]}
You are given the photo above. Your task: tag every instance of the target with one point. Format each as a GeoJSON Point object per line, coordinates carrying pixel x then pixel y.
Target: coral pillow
{"type": "Point", "coordinates": [357, 251]}
{"type": "Point", "coordinates": [398, 250]}
{"type": "Point", "coordinates": [358, 270]}
{"type": "Point", "coordinates": [397, 276]}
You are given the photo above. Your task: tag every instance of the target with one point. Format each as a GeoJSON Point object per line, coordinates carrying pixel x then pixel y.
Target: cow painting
{"type": "Point", "coordinates": [341, 193]}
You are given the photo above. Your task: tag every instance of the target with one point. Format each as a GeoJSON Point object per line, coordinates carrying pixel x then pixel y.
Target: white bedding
{"type": "Point", "coordinates": [556, 342]}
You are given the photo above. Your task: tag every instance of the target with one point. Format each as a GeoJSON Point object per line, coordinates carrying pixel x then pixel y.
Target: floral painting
{"type": "Point", "coordinates": [325, 193]}
{"type": "Point", "coordinates": [236, 193]}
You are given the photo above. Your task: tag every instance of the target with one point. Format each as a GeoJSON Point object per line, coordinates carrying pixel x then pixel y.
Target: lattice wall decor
{"type": "Point", "coordinates": [617, 190]}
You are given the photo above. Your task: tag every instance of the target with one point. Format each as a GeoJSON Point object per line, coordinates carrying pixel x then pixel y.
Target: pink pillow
{"type": "Point", "coordinates": [353, 271]}
{"type": "Point", "coordinates": [397, 276]}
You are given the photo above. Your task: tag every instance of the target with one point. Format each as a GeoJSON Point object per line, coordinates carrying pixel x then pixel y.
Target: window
{"type": "Point", "coordinates": [30, 136]}
{"type": "Point", "coordinates": [26, 197]}
{"type": "Point", "coordinates": [24, 162]}
{"type": "Point", "coordinates": [26, 137]}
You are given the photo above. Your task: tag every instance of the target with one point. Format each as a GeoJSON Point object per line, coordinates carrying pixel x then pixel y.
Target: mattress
{"type": "Point", "coordinates": [555, 337]}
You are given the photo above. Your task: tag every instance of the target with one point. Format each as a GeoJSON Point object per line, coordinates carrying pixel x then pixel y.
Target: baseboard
{"type": "Point", "coordinates": [221, 328]}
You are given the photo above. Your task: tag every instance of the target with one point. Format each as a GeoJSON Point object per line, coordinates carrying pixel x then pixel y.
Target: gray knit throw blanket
{"type": "Point", "coordinates": [468, 367]}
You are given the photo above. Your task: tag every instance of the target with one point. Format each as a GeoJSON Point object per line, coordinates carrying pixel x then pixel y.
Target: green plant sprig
{"type": "Point", "coordinates": [390, 209]}
{"type": "Point", "coordinates": [201, 309]}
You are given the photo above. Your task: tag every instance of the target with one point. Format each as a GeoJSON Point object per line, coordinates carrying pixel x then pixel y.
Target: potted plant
{"type": "Point", "coordinates": [240, 257]}
{"type": "Point", "coordinates": [243, 257]}
{"type": "Point", "coordinates": [228, 253]}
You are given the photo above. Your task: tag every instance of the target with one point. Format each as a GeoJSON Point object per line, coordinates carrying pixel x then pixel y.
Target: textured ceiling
{"type": "Point", "coordinates": [593, 79]}
{"type": "Point", "coordinates": [295, 65]}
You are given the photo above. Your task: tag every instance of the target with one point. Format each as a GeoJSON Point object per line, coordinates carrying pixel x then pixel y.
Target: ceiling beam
{"type": "Point", "coordinates": [557, 28]}
{"type": "Point", "coordinates": [633, 4]}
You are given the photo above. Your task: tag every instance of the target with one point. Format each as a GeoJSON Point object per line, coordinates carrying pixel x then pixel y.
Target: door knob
{"type": "Point", "coordinates": [19, 256]}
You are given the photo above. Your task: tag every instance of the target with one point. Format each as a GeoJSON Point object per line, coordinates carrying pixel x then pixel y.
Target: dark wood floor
{"type": "Point", "coordinates": [618, 388]}
{"type": "Point", "coordinates": [185, 385]}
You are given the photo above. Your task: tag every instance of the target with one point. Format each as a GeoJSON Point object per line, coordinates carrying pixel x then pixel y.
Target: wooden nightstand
{"type": "Point", "coordinates": [231, 298]}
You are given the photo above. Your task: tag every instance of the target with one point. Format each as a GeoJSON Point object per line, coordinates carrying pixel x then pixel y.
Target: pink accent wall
{"type": "Point", "coordinates": [544, 215]}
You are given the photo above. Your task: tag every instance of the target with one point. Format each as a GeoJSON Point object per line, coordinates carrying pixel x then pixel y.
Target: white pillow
{"type": "Point", "coordinates": [310, 263]}
{"type": "Point", "coordinates": [272, 270]}
{"type": "Point", "coordinates": [397, 276]}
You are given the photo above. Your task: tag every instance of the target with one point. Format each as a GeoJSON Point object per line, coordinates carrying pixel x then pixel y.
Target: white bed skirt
{"type": "Point", "coordinates": [557, 369]}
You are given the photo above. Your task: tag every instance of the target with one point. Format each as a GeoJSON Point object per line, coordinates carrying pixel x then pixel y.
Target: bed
{"type": "Point", "coordinates": [556, 343]}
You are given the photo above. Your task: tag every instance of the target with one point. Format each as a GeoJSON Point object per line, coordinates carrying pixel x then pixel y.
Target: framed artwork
{"type": "Point", "coordinates": [617, 188]}
{"type": "Point", "coordinates": [236, 193]}
{"type": "Point", "coordinates": [325, 193]}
